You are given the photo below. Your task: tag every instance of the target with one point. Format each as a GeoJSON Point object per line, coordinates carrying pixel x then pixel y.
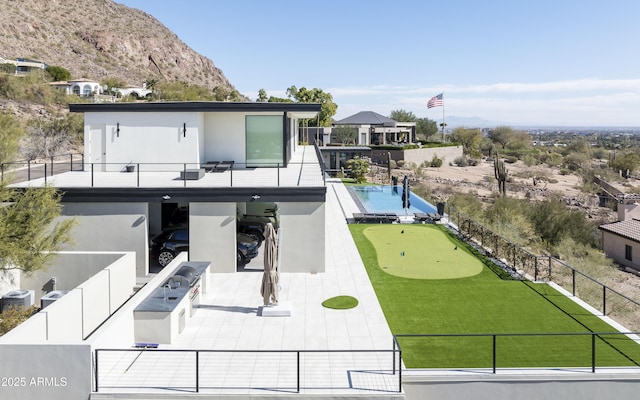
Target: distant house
{"type": "Point", "coordinates": [81, 87]}
{"type": "Point", "coordinates": [25, 66]}
{"type": "Point", "coordinates": [621, 240]}
{"type": "Point", "coordinates": [376, 129]}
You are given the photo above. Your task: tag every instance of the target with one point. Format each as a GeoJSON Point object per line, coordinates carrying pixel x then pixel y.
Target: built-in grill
{"type": "Point", "coordinates": [187, 276]}
{"type": "Point", "coordinates": [189, 273]}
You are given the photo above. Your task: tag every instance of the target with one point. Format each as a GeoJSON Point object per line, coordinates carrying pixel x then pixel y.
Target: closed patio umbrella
{"type": "Point", "coordinates": [270, 278]}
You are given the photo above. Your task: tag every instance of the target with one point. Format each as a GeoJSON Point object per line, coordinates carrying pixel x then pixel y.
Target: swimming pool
{"type": "Point", "coordinates": [385, 199]}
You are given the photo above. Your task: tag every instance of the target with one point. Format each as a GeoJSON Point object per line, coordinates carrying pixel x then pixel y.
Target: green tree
{"type": "Point", "coordinates": [58, 73]}
{"type": "Point", "coordinates": [262, 96]}
{"type": "Point", "coordinates": [426, 128]}
{"type": "Point", "coordinates": [359, 169]}
{"type": "Point", "coordinates": [403, 116]}
{"type": "Point", "coordinates": [328, 107]}
{"type": "Point", "coordinates": [13, 316]}
{"type": "Point", "coordinates": [470, 140]}
{"type": "Point", "coordinates": [628, 160]}
{"type": "Point", "coordinates": [345, 134]}
{"type": "Point", "coordinates": [10, 134]}
{"type": "Point", "coordinates": [7, 68]}
{"type": "Point", "coordinates": [553, 222]}
{"type": "Point", "coordinates": [29, 232]}
{"type": "Point", "coordinates": [501, 135]}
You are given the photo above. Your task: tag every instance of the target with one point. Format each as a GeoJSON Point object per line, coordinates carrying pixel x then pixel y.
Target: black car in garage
{"type": "Point", "coordinates": [171, 241]}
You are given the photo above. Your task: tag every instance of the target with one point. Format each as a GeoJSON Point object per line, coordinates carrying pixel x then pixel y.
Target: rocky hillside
{"type": "Point", "coordinates": [96, 39]}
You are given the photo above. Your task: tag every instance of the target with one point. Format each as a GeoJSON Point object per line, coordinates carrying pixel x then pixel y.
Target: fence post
{"type": "Point", "coordinates": [573, 281]}
{"type": "Point", "coordinates": [494, 353]}
{"type": "Point", "coordinates": [593, 352]}
{"type": "Point", "coordinates": [92, 174]}
{"type": "Point", "coordinates": [400, 371]}
{"type": "Point", "coordinates": [604, 300]}
{"type": "Point", "coordinates": [45, 172]}
{"type": "Point", "coordinates": [535, 269]}
{"type": "Point", "coordinates": [70, 161]}
{"type": "Point", "coordinates": [197, 371]}
{"type": "Point", "coordinates": [28, 170]}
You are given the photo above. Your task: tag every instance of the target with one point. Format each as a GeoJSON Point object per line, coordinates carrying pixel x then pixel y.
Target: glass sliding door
{"type": "Point", "coordinates": [265, 146]}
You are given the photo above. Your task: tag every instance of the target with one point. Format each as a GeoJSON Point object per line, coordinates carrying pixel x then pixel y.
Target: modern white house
{"type": "Point", "coordinates": [143, 160]}
{"type": "Point", "coordinates": [376, 129]}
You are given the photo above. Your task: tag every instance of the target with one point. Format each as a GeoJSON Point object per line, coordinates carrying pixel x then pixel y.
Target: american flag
{"type": "Point", "coordinates": [435, 101]}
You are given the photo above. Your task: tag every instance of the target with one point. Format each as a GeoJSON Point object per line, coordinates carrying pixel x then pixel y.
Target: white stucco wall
{"type": "Point", "coordinates": [302, 233]}
{"type": "Point", "coordinates": [212, 235]}
{"type": "Point", "coordinates": [584, 386]}
{"type": "Point", "coordinates": [111, 227]}
{"type": "Point", "coordinates": [614, 246]}
{"type": "Point", "coordinates": [161, 135]}
{"type": "Point", "coordinates": [70, 269]}
{"type": "Point", "coordinates": [628, 211]}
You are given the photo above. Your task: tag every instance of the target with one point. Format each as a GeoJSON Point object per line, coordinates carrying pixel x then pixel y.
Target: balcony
{"type": "Point", "coordinates": [304, 170]}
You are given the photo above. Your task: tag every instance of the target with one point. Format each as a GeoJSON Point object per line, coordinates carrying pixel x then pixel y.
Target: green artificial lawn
{"type": "Point", "coordinates": [340, 302]}
{"type": "Point", "coordinates": [485, 303]}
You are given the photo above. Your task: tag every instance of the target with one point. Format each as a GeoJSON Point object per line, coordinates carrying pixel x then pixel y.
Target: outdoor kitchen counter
{"type": "Point", "coordinates": [156, 301]}
{"type": "Point", "coordinates": [163, 313]}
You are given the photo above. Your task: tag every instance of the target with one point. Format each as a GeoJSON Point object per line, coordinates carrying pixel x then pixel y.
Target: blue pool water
{"type": "Point", "coordinates": [384, 199]}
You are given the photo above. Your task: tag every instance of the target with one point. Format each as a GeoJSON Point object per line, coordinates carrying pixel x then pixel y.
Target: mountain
{"type": "Point", "coordinates": [96, 39]}
{"type": "Point", "coordinates": [468, 122]}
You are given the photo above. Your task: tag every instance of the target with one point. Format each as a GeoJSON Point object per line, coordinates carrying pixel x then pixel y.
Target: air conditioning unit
{"type": "Point", "coordinates": [18, 298]}
{"type": "Point", "coordinates": [50, 297]}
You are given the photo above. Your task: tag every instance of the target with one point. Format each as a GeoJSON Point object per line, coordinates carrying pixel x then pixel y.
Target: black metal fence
{"type": "Point", "coordinates": [26, 170]}
{"type": "Point", "coordinates": [608, 301]}
{"type": "Point", "coordinates": [586, 351]}
{"type": "Point", "coordinates": [283, 371]}
{"type": "Point", "coordinates": [166, 174]}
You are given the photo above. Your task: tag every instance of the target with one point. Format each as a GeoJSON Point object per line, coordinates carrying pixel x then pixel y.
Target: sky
{"type": "Point", "coordinates": [534, 63]}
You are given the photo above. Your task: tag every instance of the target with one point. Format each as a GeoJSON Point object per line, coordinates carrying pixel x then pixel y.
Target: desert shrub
{"type": "Point", "coordinates": [461, 161]}
{"type": "Point", "coordinates": [473, 162]}
{"type": "Point", "coordinates": [400, 163]}
{"type": "Point", "coordinates": [436, 161]}
{"type": "Point", "coordinates": [529, 160]}
{"type": "Point", "coordinates": [565, 171]}
{"type": "Point", "coordinates": [511, 159]}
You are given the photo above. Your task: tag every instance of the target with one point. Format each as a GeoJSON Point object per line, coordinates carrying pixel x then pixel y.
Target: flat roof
{"type": "Point", "coordinates": [196, 106]}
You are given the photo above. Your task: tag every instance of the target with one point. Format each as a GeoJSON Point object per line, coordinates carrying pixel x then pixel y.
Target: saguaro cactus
{"type": "Point", "coordinates": [501, 173]}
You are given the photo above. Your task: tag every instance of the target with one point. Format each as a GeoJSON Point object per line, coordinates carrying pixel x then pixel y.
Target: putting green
{"type": "Point", "coordinates": [420, 252]}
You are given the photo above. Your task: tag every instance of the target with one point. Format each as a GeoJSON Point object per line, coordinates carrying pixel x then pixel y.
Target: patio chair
{"type": "Point", "coordinates": [209, 166]}
{"type": "Point", "coordinates": [224, 166]}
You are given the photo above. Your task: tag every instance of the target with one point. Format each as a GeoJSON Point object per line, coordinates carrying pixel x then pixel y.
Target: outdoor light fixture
{"type": "Point", "coordinates": [166, 197]}
{"type": "Point", "coordinates": [255, 197]}
{"type": "Point", "coordinates": [118, 129]}
{"type": "Point", "coordinates": [184, 130]}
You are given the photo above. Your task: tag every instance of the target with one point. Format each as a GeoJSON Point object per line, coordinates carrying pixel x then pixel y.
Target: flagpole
{"type": "Point", "coordinates": [443, 124]}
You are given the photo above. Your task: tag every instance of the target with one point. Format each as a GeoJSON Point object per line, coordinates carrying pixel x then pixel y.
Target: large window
{"type": "Point", "coordinates": [264, 140]}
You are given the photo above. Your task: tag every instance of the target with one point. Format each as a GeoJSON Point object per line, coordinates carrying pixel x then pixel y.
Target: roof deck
{"type": "Point", "coordinates": [304, 170]}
